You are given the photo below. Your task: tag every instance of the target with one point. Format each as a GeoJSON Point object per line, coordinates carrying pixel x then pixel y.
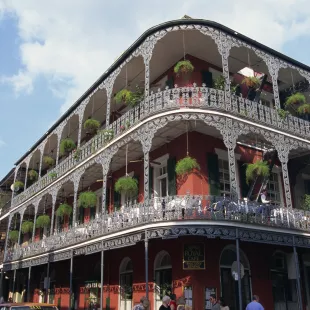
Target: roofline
{"type": "Point", "coordinates": [7, 176]}
{"type": "Point", "coordinates": [147, 33]}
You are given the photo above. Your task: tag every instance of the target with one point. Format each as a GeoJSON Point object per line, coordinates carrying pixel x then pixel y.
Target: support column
{"type": "Point", "coordinates": [58, 146]}
{"type": "Point", "coordinates": [104, 193]}
{"type": "Point", "coordinates": [230, 136]}
{"type": "Point", "coordinates": [224, 50]}
{"type": "Point", "coordinates": [7, 237]}
{"type": "Point", "coordinates": [26, 177]}
{"type": "Point", "coordinates": [76, 182]}
{"type": "Point", "coordinates": [71, 286]}
{"type": "Point", "coordinates": [21, 216]}
{"type": "Point", "coordinates": [101, 280]}
{"type": "Point", "coordinates": [28, 284]}
{"type": "Point", "coordinates": [239, 270]}
{"type": "Point", "coordinates": [283, 151]}
{"type": "Point", "coordinates": [1, 282]}
{"type": "Point", "coordinates": [80, 130]}
{"type": "Point", "coordinates": [40, 166]}
{"type": "Point", "coordinates": [299, 295]}
{"type": "Point", "coordinates": [274, 71]}
{"type": "Point", "coordinates": [146, 252]}
{"type": "Point", "coordinates": [107, 120]}
{"type": "Point", "coordinates": [147, 59]}
{"type": "Point", "coordinates": [15, 175]}
{"type": "Point", "coordinates": [48, 282]}
{"type": "Point", "coordinates": [13, 288]}
{"type": "Point", "coordinates": [34, 223]}
{"type": "Point", "coordinates": [75, 198]}
{"type": "Point", "coordinates": [146, 176]}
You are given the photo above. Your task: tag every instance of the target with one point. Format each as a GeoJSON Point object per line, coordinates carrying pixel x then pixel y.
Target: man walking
{"type": "Point", "coordinates": [214, 304]}
{"type": "Point", "coordinates": [255, 305]}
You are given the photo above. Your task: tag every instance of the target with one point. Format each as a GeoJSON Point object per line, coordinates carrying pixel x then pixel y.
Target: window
{"type": "Point", "coordinates": [161, 177]}
{"type": "Point", "coordinates": [126, 280]}
{"type": "Point", "coordinates": [273, 188]}
{"type": "Point", "coordinates": [224, 177]}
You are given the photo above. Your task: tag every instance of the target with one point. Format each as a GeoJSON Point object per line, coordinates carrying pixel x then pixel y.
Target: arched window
{"type": "Point", "coordinates": [125, 277]}
{"type": "Point", "coordinates": [283, 285]}
{"type": "Point", "coordinates": [229, 279]}
{"type": "Point", "coordinates": [163, 276]}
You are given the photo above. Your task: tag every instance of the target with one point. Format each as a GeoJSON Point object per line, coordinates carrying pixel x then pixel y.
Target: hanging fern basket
{"type": "Point", "coordinates": [91, 126]}
{"type": "Point", "coordinates": [66, 146]}
{"type": "Point", "coordinates": [27, 227]}
{"type": "Point", "coordinates": [251, 81]}
{"type": "Point", "coordinates": [13, 235]}
{"type": "Point", "coordinates": [186, 166]}
{"type": "Point", "coordinates": [258, 169]}
{"type": "Point", "coordinates": [64, 210]}
{"type": "Point", "coordinates": [33, 175]}
{"type": "Point", "coordinates": [18, 185]}
{"type": "Point", "coordinates": [43, 221]}
{"type": "Point", "coordinates": [304, 109]}
{"type": "Point", "coordinates": [49, 161]}
{"type": "Point", "coordinates": [126, 185]}
{"type": "Point", "coordinates": [87, 199]}
{"type": "Point", "coordinates": [183, 68]}
{"type": "Point", "coordinates": [295, 99]}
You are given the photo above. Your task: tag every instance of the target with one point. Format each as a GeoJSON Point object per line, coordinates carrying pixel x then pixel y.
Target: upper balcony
{"type": "Point", "coordinates": [221, 60]}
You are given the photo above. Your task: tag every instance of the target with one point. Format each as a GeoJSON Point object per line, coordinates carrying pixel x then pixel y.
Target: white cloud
{"type": "Point", "coordinates": [71, 43]}
{"type": "Point", "coordinates": [2, 143]}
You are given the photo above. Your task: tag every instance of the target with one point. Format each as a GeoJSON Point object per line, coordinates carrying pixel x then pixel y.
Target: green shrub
{"type": "Point", "coordinates": [186, 166]}
{"type": "Point", "coordinates": [92, 125]}
{"type": "Point", "coordinates": [87, 199]}
{"type": "Point", "coordinates": [66, 146]}
{"type": "Point", "coordinates": [49, 161]}
{"type": "Point", "coordinates": [13, 235]}
{"type": "Point", "coordinates": [63, 210]}
{"type": "Point", "coordinates": [258, 169]}
{"type": "Point", "coordinates": [183, 67]}
{"type": "Point", "coordinates": [43, 221]}
{"type": "Point", "coordinates": [295, 99]}
{"type": "Point", "coordinates": [126, 185]}
{"type": "Point", "coordinates": [33, 175]}
{"type": "Point", "coordinates": [27, 227]}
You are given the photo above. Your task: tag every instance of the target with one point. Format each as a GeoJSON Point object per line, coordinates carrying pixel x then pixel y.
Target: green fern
{"type": "Point", "coordinates": [87, 199]}
{"type": "Point", "coordinates": [259, 168]}
{"type": "Point", "coordinates": [183, 67]}
{"type": "Point", "coordinates": [43, 221]}
{"type": "Point", "coordinates": [27, 227]}
{"type": "Point", "coordinates": [64, 209]}
{"type": "Point", "coordinates": [295, 99]}
{"type": "Point", "coordinates": [126, 185]}
{"type": "Point", "coordinates": [186, 166]}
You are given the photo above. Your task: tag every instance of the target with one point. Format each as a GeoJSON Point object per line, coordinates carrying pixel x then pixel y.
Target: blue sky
{"type": "Point", "coordinates": [51, 52]}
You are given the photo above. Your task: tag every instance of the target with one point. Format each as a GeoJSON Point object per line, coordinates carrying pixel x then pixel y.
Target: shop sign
{"type": "Point", "coordinates": [92, 285]}
{"type": "Point", "coordinates": [194, 256]}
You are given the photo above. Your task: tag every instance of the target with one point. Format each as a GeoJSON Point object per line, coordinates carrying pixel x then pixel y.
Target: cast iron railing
{"type": "Point", "coordinates": [161, 101]}
{"type": "Point", "coordinates": [176, 208]}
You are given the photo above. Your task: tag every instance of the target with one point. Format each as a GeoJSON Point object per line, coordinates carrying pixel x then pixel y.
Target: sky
{"type": "Point", "coordinates": [51, 52]}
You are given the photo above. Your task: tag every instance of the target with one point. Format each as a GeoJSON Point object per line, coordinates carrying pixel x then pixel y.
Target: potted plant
{"type": "Point", "coordinates": [52, 175]}
{"type": "Point", "coordinates": [18, 185]}
{"type": "Point", "coordinates": [13, 235]}
{"type": "Point", "coordinates": [304, 109]}
{"type": "Point", "coordinates": [49, 161]}
{"type": "Point", "coordinates": [283, 114]}
{"type": "Point", "coordinates": [91, 126]}
{"type": "Point", "coordinates": [258, 169]}
{"type": "Point", "coordinates": [64, 210]}
{"type": "Point", "coordinates": [183, 67]}
{"type": "Point", "coordinates": [27, 227]}
{"type": "Point", "coordinates": [43, 221]}
{"type": "Point", "coordinates": [123, 95]}
{"type": "Point", "coordinates": [251, 81]}
{"type": "Point", "coordinates": [87, 199]}
{"type": "Point", "coordinates": [33, 175]}
{"type": "Point", "coordinates": [66, 146]}
{"type": "Point", "coordinates": [306, 203]}
{"type": "Point", "coordinates": [108, 135]}
{"type": "Point", "coordinates": [186, 165]}
{"type": "Point", "coordinates": [295, 99]}
{"type": "Point", "coordinates": [126, 185]}
{"type": "Point", "coordinates": [77, 154]}
{"type": "Point", "coordinates": [130, 98]}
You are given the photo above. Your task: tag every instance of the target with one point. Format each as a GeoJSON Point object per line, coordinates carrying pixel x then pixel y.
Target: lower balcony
{"type": "Point", "coordinates": [221, 210]}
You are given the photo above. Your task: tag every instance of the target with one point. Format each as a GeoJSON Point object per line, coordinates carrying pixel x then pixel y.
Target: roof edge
{"type": "Point", "coordinates": [131, 49]}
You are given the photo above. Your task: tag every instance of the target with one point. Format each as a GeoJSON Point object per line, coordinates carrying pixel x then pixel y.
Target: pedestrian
{"type": "Point", "coordinates": [223, 304]}
{"type": "Point", "coordinates": [173, 304]}
{"type": "Point", "coordinates": [140, 305]}
{"type": "Point", "coordinates": [254, 305]}
{"type": "Point", "coordinates": [165, 305]}
{"type": "Point", "coordinates": [214, 304]}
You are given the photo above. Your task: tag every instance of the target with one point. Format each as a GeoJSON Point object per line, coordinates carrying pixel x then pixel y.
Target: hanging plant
{"type": "Point", "coordinates": [13, 235]}
{"type": "Point", "coordinates": [108, 135]}
{"type": "Point", "coordinates": [77, 154]}
{"type": "Point", "coordinates": [304, 109]}
{"type": "Point", "coordinates": [49, 161]}
{"type": "Point", "coordinates": [126, 185]}
{"type": "Point", "coordinates": [183, 67]}
{"type": "Point", "coordinates": [130, 98]}
{"type": "Point", "coordinates": [186, 165]}
{"type": "Point", "coordinates": [33, 175]}
{"type": "Point", "coordinates": [295, 99]}
{"type": "Point", "coordinates": [219, 83]}
{"type": "Point", "coordinates": [258, 169]}
{"type": "Point", "coordinates": [43, 221]}
{"type": "Point", "coordinates": [123, 95]}
{"type": "Point", "coordinates": [283, 114]}
{"type": "Point", "coordinates": [91, 126]}
{"type": "Point", "coordinates": [251, 81]}
{"type": "Point", "coordinates": [18, 185]}
{"type": "Point", "coordinates": [64, 209]}
{"type": "Point", "coordinates": [66, 146]}
{"type": "Point", "coordinates": [27, 227]}
{"type": "Point", "coordinates": [87, 199]}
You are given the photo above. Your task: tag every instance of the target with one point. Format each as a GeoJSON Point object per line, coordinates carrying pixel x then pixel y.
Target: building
{"type": "Point", "coordinates": [153, 181]}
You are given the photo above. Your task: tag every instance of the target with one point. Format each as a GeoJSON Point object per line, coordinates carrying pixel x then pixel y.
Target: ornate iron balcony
{"type": "Point", "coordinates": [167, 100]}
{"type": "Point", "coordinates": [172, 208]}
